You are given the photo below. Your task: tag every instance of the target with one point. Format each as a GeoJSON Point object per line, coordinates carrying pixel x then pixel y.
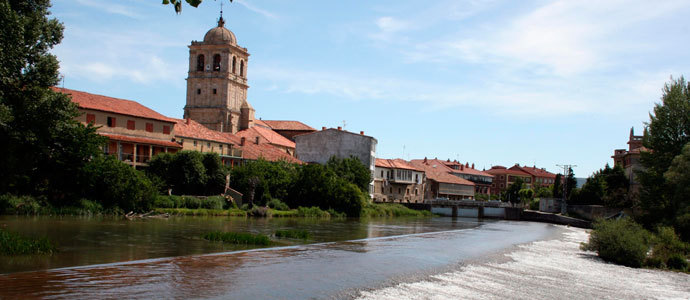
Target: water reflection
{"type": "Point", "coordinates": [87, 241]}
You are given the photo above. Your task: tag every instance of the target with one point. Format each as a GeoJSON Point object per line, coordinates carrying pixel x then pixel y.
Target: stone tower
{"type": "Point", "coordinates": [217, 82]}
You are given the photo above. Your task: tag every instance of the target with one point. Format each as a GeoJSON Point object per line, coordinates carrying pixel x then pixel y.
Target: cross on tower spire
{"type": "Point", "coordinates": [221, 22]}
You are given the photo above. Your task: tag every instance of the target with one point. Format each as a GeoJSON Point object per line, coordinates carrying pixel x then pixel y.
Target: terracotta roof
{"type": "Point", "coordinates": [192, 129]}
{"type": "Point", "coordinates": [267, 135]}
{"type": "Point", "coordinates": [253, 151]}
{"type": "Point", "coordinates": [288, 125]}
{"type": "Point", "coordinates": [436, 170]}
{"type": "Point", "coordinates": [261, 123]}
{"type": "Point", "coordinates": [534, 171]}
{"type": "Point", "coordinates": [141, 140]}
{"type": "Point", "coordinates": [396, 164]}
{"type": "Point", "coordinates": [108, 104]}
{"type": "Point", "coordinates": [464, 169]}
{"type": "Point", "coordinates": [499, 170]}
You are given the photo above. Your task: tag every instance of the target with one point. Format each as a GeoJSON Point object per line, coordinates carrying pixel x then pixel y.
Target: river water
{"type": "Point", "coordinates": [439, 258]}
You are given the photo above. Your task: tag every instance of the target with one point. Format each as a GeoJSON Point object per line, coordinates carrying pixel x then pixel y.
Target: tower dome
{"type": "Point", "coordinates": [220, 35]}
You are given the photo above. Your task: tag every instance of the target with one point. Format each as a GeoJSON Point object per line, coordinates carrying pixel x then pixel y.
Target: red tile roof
{"type": "Point", "coordinates": [108, 104]}
{"type": "Point", "coordinates": [464, 169]}
{"type": "Point", "coordinates": [534, 171]}
{"type": "Point", "coordinates": [396, 164]}
{"type": "Point", "coordinates": [288, 125]}
{"type": "Point", "coordinates": [499, 170]}
{"type": "Point", "coordinates": [436, 170]}
{"type": "Point", "coordinates": [267, 135]}
{"type": "Point", "coordinates": [188, 128]}
{"type": "Point", "coordinates": [141, 140]}
{"type": "Point", "coordinates": [253, 151]}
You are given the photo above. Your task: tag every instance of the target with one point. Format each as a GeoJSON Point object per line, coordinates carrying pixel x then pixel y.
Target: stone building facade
{"type": "Point", "coordinates": [629, 159]}
{"type": "Point", "coordinates": [217, 82]}
{"type": "Point", "coordinates": [396, 180]}
{"type": "Point", "coordinates": [320, 146]}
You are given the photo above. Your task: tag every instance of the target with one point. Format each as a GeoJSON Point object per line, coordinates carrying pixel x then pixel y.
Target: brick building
{"type": "Point", "coordinates": [482, 180]}
{"type": "Point", "coordinates": [135, 132]}
{"type": "Point", "coordinates": [629, 159]}
{"type": "Point", "coordinates": [441, 184]}
{"type": "Point", "coordinates": [504, 177]}
{"type": "Point", "coordinates": [396, 180]}
{"type": "Point", "coordinates": [540, 177]}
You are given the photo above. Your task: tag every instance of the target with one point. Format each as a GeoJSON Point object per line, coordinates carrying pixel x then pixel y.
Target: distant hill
{"type": "Point", "coordinates": [580, 181]}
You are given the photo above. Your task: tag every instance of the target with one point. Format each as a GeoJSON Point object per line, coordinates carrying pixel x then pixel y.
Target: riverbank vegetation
{"type": "Point", "coordinates": [15, 244]}
{"type": "Point", "coordinates": [373, 210]}
{"type": "Point", "coordinates": [238, 238]}
{"type": "Point", "coordinates": [293, 234]}
{"type": "Point", "coordinates": [627, 243]}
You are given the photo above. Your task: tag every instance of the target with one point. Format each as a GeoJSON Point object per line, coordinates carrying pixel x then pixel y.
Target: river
{"type": "Point", "coordinates": [440, 258]}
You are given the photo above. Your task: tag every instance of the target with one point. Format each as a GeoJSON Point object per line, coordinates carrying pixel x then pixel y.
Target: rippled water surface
{"type": "Point", "coordinates": [437, 258]}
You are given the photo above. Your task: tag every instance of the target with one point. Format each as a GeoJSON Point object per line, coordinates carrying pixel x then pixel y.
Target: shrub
{"type": "Point", "coordinates": [113, 183]}
{"type": "Point", "coordinates": [278, 205]}
{"type": "Point", "coordinates": [237, 238]}
{"type": "Point", "coordinates": [259, 211]}
{"type": "Point", "coordinates": [666, 245]}
{"type": "Point", "coordinates": [16, 244]}
{"type": "Point", "coordinates": [677, 262]}
{"type": "Point", "coordinates": [683, 226]}
{"type": "Point", "coordinates": [619, 241]}
{"type": "Point", "coordinates": [312, 212]}
{"type": "Point", "coordinates": [293, 234]}
{"type": "Point", "coordinates": [392, 210]}
{"type": "Point", "coordinates": [20, 205]}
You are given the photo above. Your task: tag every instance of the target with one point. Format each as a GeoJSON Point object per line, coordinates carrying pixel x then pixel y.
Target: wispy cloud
{"type": "Point", "coordinates": [110, 7]}
{"type": "Point", "coordinates": [263, 12]}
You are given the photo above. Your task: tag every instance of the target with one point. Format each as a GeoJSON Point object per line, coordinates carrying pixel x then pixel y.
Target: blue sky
{"type": "Point", "coordinates": [484, 82]}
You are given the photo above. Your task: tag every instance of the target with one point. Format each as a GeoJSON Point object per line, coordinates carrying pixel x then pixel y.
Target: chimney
{"type": "Point", "coordinates": [340, 128]}
{"type": "Point", "coordinates": [424, 159]}
{"type": "Point", "coordinates": [323, 128]}
{"type": "Point", "coordinates": [361, 132]}
{"type": "Point", "coordinates": [467, 164]}
{"type": "Point", "coordinates": [187, 121]}
{"type": "Point", "coordinates": [257, 140]}
{"type": "Point", "coordinates": [472, 165]}
{"type": "Point", "coordinates": [462, 168]}
{"type": "Point", "coordinates": [242, 141]}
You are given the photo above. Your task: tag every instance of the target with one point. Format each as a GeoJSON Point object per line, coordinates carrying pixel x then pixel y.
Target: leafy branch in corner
{"type": "Point", "coordinates": [177, 4]}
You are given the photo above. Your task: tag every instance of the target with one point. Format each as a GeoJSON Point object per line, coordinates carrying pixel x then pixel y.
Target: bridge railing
{"type": "Point", "coordinates": [468, 203]}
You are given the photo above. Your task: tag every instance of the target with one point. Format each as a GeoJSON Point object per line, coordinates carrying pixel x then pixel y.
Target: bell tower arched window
{"type": "Point", "coordinates": [216, 62]}
{"type": "Point", "coordinates": [234, 62]}
{"type": "Point", "coordinates": [241, 68]}
{"type": "Point", "coordinates": [200, 62]}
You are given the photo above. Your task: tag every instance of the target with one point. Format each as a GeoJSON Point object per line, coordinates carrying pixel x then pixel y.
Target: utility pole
{"type": "Point", "coordinates": [566, 173]}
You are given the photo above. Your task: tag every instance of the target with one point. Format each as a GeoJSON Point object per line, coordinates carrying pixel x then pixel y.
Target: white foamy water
{"type": "Point", "coordinates": [553, 269]}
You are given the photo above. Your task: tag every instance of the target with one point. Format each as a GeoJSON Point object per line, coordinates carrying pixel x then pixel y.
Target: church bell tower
{"type": "Point", "coordinates": [217, 82]}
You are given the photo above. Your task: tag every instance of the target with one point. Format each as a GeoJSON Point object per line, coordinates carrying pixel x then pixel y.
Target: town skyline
{"type": "Point", "coordinates": [316, 75]}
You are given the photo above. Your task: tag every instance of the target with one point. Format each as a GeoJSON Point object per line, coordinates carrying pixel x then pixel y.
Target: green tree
{"type": "Point", "coordinates": [678, 178]}
{"type": "Point", "coordinates": [273, 180]}
{"type": "Point", "coordinates": [352, 170]}
{"type": "Point", "coordinates": [557, 187]}
{"type": "Point", "coordinates": [512, 193]}
{"type": "Point", "coordinates": [570, 182]}
{"type": "Point", "coordinates": [667, 132]}
{"type": "Point", "coordinates": [42, 146]}
{"type": "Point", "coordinates": [215, 174]}
{"type": "Point", "coordinates": [116, 184]}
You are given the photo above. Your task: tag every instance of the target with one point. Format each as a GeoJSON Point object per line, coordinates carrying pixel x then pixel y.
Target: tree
{"type": "Point", "coordinates": [352, 170]}
{"type": "Point", "coordinates": [512, 194]}
{"type": "Point", "coordinates": [570, 182]}
{"type": "Point", "coordinates": [557, 188]}
{"type": "Point", "coordinates": [177, 4]}
{"type": "Point", "coordinates": [42, 146]}
{"type": "Point", "coordinates": [667, 132]}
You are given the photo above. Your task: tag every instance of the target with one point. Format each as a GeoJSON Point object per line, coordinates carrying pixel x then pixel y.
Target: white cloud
{"type": "Point", "coordinates": [110, 7]}
{"type": "Point", "coordinates": [263, 12]}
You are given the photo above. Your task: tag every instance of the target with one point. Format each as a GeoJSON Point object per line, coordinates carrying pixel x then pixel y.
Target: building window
{"type": "Point", "coordinates": [234, 62]}
{"type": "Point", "coordinates": [216, 62]}
{"type": "Point", "coordinates": [112, 122]}
{"type": "Point", "coordinates": [200, 62]}
{"type": "Point", "coordinates": [130, 125]}
{"type": "Point", "coordinates": [416, 192]}
{"type": "Point", "coordinates": [399, 191]}
{"type": "Point", "coordinates": [198, 91]}
{"type": "Point", "coordinates": [381, 173]}
{"type": "Point", "coordinates": [391, 190]}
{"type": "Point", "coordinates": [214, 91]}
{"type": "Point", "coordinates": [90, 118]}
{"type": "Point", "coordinates": [241, 68]}
{"type": "Point", "coordinates": [149, 127]}
{"type": "Point", "coordinates": [166, 129]}
{"type": "Point", "coordinates": [208, 145]}
{"type": "Point", "coordinates": [194, 143]}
